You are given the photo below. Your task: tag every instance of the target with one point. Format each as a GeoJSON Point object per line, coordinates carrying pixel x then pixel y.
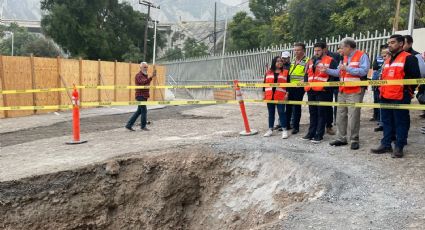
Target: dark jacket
{"type": "Point", "coordinates": [142, 80]}
{"type": "Point", "coordinates": [411, 70]}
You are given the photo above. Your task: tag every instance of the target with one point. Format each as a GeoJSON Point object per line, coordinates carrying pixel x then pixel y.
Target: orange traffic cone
{"type": "Point", "coordinates": [75, 118]}
{"type": "Point", "coordinates": [248, 131]}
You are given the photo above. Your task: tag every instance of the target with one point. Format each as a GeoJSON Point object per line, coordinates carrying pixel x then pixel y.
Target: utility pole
{"type": "Point", "coordinates": [215, 27]}
{"type": "Point", "coordinates": [145, 42]}
{"type": "Point", "coordinates": [397, 17]}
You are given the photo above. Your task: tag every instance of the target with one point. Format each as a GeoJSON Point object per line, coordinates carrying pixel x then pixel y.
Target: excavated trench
{"type": "Point", "coordinates": [185, 188]}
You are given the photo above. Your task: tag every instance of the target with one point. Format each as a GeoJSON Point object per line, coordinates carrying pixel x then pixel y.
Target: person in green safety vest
{"type": "Point", "coordinates": [297, 73]}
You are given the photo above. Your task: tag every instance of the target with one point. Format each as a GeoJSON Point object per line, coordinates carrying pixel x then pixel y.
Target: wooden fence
{"type": "Point", "coordinates": [41, 73]}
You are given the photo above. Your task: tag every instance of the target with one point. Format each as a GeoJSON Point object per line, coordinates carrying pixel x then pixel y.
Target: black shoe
{"type": "Point", "coordinates": [379, 129]}
{"type": "Point", "coordinates": [307, 138]}
{"type": "Point", "coordinates": [130, 129]}
{"type": "Point", "coordinates": [295, 131]}
{"type": "Point", "coordinates": [146, 129]}
{"type": "Point", "coordinates": [316, 140]}
{"type": "Point", "coordinates": [355, 145]}
{"type": "Point", "coordinates": [397, 153]}
{"type": "Point", "coordinates": [382, 149]}
{"type": "Point", "coordinates": [337, 143]}
{"type": "Point", "coordinates": [288, 127]}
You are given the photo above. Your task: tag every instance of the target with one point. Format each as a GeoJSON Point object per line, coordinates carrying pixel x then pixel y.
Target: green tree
{"type": "Point", "coordinates": [26, 43]}
{"type": "Point", "coordinates": [41, 47]}
{"type": "Point", "coordinates": [244, 32]}
{"type": "Point", "coordinates": [133, 54]}
{"type": "Point", "coordinates": [97, 29]}
{"type": "Point", "coordinates": [192, 48]}
{"type": "Point", "coordinates": [309, 19]}
{"type": "Point", "coordinates": [363, 15]}
{"type": "Point", "coordinates": [265, 10]}
{"type": "Point", "coordinates": [173, 54]}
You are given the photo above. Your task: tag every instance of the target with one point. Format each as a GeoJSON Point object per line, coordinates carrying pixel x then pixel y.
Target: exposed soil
{"type": "Point", "coordinates": [180, 189]}
{"type": "Point", "coordinates": [193, 171]}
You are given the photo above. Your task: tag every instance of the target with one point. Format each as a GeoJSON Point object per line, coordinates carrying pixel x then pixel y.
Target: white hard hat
{"type": "Point", "coordinates": [286, 54]}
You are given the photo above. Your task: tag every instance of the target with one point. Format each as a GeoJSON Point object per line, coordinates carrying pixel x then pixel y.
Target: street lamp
{"type": "Point", "coordinates": [154, 42]}
{"type": "Point", "coordinates": [11, 34]}
{"type": "Point", "coordinates": [411, 17]}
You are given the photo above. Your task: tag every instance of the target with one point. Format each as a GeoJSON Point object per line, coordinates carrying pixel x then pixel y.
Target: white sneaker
{"type": "Point", "coordinates": [285, 134]}
{"type": "Point", "coordinates": [268, 133]}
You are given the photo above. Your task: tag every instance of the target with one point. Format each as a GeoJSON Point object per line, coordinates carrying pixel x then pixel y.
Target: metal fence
{"type": "Point", "coordinates": [250, 65]}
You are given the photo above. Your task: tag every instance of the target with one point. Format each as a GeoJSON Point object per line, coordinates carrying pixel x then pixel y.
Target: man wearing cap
{"type": "Point", "coordinates": [141, 79]}
{"type": "Point", "coordinates": [286, 58]}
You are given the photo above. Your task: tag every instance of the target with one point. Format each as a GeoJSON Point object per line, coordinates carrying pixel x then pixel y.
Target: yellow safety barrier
{"type": "Point", "coordinates": [113, 87]}
{"type": "Point", "coordinates": [244, 85]}
{"type": "Point", "coordinates": [338, 83]}
{"type": "Point", "coordinates": [216, 102]}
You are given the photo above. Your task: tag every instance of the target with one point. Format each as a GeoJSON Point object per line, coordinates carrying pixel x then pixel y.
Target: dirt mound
{"type": "Point", "coordinates": [196, 188]}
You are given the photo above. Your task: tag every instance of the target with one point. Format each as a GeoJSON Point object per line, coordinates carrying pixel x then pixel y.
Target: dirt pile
{"type": "Point", "coordinates": [182, 189]}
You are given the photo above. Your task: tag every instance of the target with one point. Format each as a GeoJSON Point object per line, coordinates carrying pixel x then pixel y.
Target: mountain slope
{"type": "Point", "coordinates": [171, 11]}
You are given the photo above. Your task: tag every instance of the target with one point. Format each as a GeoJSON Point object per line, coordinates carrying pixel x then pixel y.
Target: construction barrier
{"type": "Point", "coordinates": [217, 102]}
{"type": "Point", "coordinates": [243, 85]}
{"type": "Point", "coordinates": [248, 131]}
{"type": "Point", "coordinates": [75, 119]}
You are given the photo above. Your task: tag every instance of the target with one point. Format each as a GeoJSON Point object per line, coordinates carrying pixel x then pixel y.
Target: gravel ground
{"type": "Point", "coordinates": [355, 189]}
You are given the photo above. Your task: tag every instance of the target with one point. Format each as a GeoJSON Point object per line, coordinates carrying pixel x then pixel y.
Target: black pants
{"type": "Point", "coordinates": [396, 121]}
{"type": "Point", "coordinates": [293, 112]}
{"type": "Point", "coordinates": [376, 99]}
{"type": "Point", "coordinates": [319, 114]}
{"type": "Point", "coordinates": [332, 110]}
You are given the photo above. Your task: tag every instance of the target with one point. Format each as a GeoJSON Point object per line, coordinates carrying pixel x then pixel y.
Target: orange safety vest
{"type": "Point", "coordinates": [394, 71]}
{"type": "Point", "coordinates": [346, 77]}
{"type": "Point", "coordinates": [317, 75]}
{"type": "Point", "coordinates": [280, 92]}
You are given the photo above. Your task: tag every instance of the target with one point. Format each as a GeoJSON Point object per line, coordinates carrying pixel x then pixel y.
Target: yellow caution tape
{"type": "Point", "coordinates": [39, 107]}
{"type": "Point", "coordinates": [18, 91]}
{"type": "Point", "coordinates": [216, 102]}
{"type": "Point", "coordinates": [338, 83]}
{"type": "Point", "coordinates": [245, 85]}
{"type": "Point", "coordinates": [118, 87]}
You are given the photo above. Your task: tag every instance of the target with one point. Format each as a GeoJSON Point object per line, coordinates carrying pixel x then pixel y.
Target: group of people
{"type": "Point", "coordinates": [397, 61]}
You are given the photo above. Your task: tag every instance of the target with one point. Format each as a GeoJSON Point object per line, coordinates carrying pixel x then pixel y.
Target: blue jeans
{"type": "Point", "coordinates": [142, 111]}
{"type": "Point", "coordinates": [396, 121]}
{"type": "Point", "coordinates": [293, 112]}
{"type": "Point", "coordinates": [319, 114]}
{"type": "Point", "coordinates": [272, 114]}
